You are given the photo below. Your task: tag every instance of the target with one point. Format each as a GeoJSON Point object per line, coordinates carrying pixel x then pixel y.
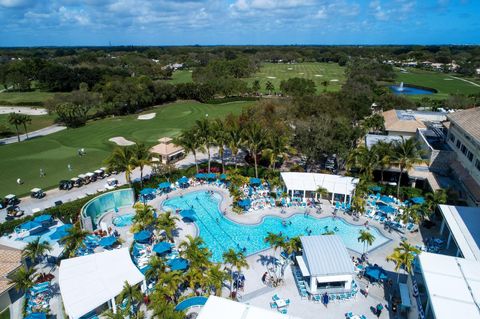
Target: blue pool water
{"type": "Point", "coordinates": [220, 234]}
{"type": "Point", "coordinates": [44, 236]}
{"type": "Point", "coordinates": [407, 90]}
{"type": "Point", "coordinates": [124, 220]}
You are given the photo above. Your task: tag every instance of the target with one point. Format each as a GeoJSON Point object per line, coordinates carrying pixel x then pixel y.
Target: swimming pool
{"type": "Point", "coordinates": [124, 220]}
{"type": "Point", "coordinates": [44, 236]}
{"type": "Point", "coordinates": [220, 234]}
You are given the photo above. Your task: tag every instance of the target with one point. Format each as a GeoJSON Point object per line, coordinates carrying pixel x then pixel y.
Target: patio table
{"type": "Point", "coordinates": [281, 303]}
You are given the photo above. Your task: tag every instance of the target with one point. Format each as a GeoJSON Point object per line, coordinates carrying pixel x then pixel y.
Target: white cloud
{"type": "Point", "coordinates": [321, 13]}
{"type": "Point", "coordinates": [14, 3]}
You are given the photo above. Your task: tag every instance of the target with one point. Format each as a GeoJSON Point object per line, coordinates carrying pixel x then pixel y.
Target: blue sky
{"type": "Point", "coordinates": [169, 22]}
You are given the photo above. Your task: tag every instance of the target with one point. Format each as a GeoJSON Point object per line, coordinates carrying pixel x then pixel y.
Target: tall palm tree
{"type": "Point", "coordinates": [230, 258]}
{"type": "Point", "coordinates": [168, 283]}
{"type": "Point", "coordinates": [385, 153]}
{"type": "Point", "coordinates": [366, 160]}
{"type": "Point", "coordinates": [216, 277]}
{"type": "Point", "coordinates": [16, 120]}
{"type": "Point", "coordinates": [234, 138]}
{"type": "Point", "coordinates": [413, 213]}
{"type": "Point", "coordinates": [36, 249]}
{"type": "Point", "coordinates": [143, 158]}
{"type": "Point", "coordinates": [196, 278]}
{"type": "Point", "coordinates": [278, 145]}
{"type": "Point", "coordinates": [194, 250]}
{"type": "Point", "coordinates": [406, 154]}
{"type": "Point", "coordinates": [275, 241]}
{"type": "Point", "coordinates": [25, 119]}
{"type": "Point", "coordinates": [144, 217]}
{"type": "Point", "coordinates": [366, 238]}
{"type": "Point", "coordinates": [132, 295]}
{"type": "Point", "coordinates": [73, 240]}
{"type": "Point", "coordinates": [164, 309]}
{"type": "Point", "coordinates": [321, 191]}
{"type": "Point", "coordinates": [255, 137]}
{"type": "Point", "coordinates": [122, 314]}
{"type": "Point", "coordinates": [167, 222]}
{"type": "Point", "coordinates": [403, 257]}
{"type": "Point", "coordinates": [122, 159]}
{"type": "Point", "coordinates": [157, 267]}
{"type": "Point", "coordinates": [434, 199]}
{"type": "Point", "coordinates": [189, 141]}
{"type": "Point", "coordinates": [240, 263]}
{"type": "Point", "coordinates": [292, 246]}
{"type": "Point", "coordinates": [23, 278]}
{"type": "Point", "coordinates": [220, 139]}
{"type": "Point", "coordinates": [269, 87]}
{"type": "Point", "coordinates": [205, 135]}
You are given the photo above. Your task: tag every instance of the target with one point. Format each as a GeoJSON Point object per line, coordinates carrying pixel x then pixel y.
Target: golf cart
{"type": "Point", "coordinates": [65, 185]}
{"type": "Point", "coordinates": [37, 193]}
{"type": "Point", "coordinates": [84, 178]}
{"type": "Point", "coordinates": [14, 212]}
{"type": "Point", "coordinates": [106, 173]}
{"type": "Point", "coordinates": [111, 183]}
{"type": "Point", "coordinates": [91, 177]}
{"type": "Point", "coordinates": [11, 200]}
{"type": "Point", "coordinates": [99, 173]}
{"type": "Point", "coordinates": [77, 182]}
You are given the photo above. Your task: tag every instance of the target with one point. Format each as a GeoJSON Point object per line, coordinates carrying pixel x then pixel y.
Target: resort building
{"type": "Point", "coordinates": [304, 185]}
{"type": "Point", "coordinates": [464, 139]}
{"type": "Point", "coordinates": [221, 308]}
{"type": "Point", "coordinates": [461, 225]}
{"type": "Point", "coordinates": [10, 261]}
{"type": "Point", "coordinates": [92, 282]}
{"type": "Point", "coordinates": [445, 287]}
{"type": "Point", "coordinates": [406, 122]}
{"type": "Point", "coordinates": [326, 265]}
{"type": "Point", "coordinates": [167, 151]}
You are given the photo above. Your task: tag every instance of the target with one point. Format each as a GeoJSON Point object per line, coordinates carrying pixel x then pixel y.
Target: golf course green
{"type": "Point", "coordinates": [54, 152]}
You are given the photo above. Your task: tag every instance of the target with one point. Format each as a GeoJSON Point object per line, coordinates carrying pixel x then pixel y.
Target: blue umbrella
{"type": "Point", "coordinates": [178, 264]}
{"type": "Point", "coordinates": [164, 185]}
{"type": "Point", "coordinates": [387, 199]}
{"type": "Point", "coordinates": [211, 176]}
{"type": "Point", "coordinates": [142, 236]}
{"type": "Point", "coordinates": [107, 241]}
{"type": "Point", "coordinates": [61, 232]}
{"type": "Point", "coordinates": [375, 273]}
{"type": "Point", "coordinates": [188, 213]}
{"type": "Point", "coordinates": [162, 247]}
{"type": "Point", "coordinates": [387, 209]}
{"type": "Point", "coordinates": [417, 200]}
{"type": "Point", "coordinates": [183, 180]}
{"type": "Point", "coordinates": [255, 181]}
{"type": "Point", "coordinates": [42, 218]}
{"type": "Point", "coordinates": [37, 315]}
{"type": "Point", "coordinates": [223, 177]}
{"type": "Point", "coordinates": [244, 202]}
{"type": "Point", "coordinates": [201, 176]}
{"type": "Point", "coordinates": [147, 191]}
{"type": "Point", "coordinates": [375, 188]}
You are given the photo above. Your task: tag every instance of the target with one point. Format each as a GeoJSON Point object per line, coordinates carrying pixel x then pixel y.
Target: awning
{"type": "Point", "coordinates": [245, 202]}
{"type": "Point", "coordinates": [178, 264]}
{"type": "Point", "coordinates": [387, 200]}
{"type": "Point", "coordinates": [162, 247]}
{"type": "Point", "coordinates": [386, 209]}
{"type": "Point", "coordinates": [375, 273]}
{"type": "Point", "coordinates": [375, 188]}
{"type": "Point", "coordinates": [255, 181]}
{"type": "Point", "coordinates": [211, 176]}
{"type": "Point", "coordinates": [164, 185]}
{"type": "Point", "coordinates": [405, 295]}
{"type": "Point", "coordinates": [201, 176]}
{"type": "Point", "coordinates": [417, 200]}
{"type": "Point", "coordinates": [303, 266]}
{"type": "Point", "coordinates": [29, 225]}
{"type": "Point", "coordinates": [142, 236]}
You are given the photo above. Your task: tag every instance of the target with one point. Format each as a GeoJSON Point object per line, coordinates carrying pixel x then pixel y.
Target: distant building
{"type": "Point", "coordinates": [10, 261]}
{"type": "Point", "coordinates": [406, 122]}
{"type": "Point", "coordinates": [464, 139]}
{"type": "Point", "coordinates": [167, 150]}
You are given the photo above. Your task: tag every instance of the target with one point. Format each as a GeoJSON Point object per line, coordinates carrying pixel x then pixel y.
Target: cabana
{"type": "Point", "coordinates": [88, 282]}
{"type": "Point", "coordinates": [162, 247]}
{"type": "Point", "coordinates": [339, 188]}
{"type": "Point", "coordinates": [142, 236]}
{"type": "Point", "coordinates": [326, 264]}
{"type": "Point", "coordinates": [167, 150]}
{"type": "Point", "coordinates": [177, 264]}
{"type": "Point", "coordinates": [375, 273]}
{"type": "Point", "coordinates": [255, 181]}
{"type": "Point", "coordinates": [188, 214]}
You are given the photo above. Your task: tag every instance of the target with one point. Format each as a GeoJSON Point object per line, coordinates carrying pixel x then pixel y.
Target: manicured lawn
{"type": "Point", "coordinates": [443, 83]}
{"type": "Point", "coordinates": [38, 122]}
{"type": "Point", "coordinates": [5, 314]}
{"type": "Point", "coordinates": [17, 98]}
{"type": "Point", "coordinates": [181, 76]}
{"type": "Point", "coordinates": [318, 72]}
{"type": "Point", "coordinates": [54, 152]}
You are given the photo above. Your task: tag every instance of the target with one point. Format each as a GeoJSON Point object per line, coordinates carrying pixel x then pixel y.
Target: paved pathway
{"type": "Point", "coordinates": [34, 134]}
{"type": "Point", "coordinates": [465, 80]}
{"type": "Point", "coordinates": [23, 110]}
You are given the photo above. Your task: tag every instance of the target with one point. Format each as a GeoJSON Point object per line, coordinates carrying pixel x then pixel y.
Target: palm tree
{"type": "Point", "coordinates": [36, 249]}
{"type": "Point", "coordinates": [275, 241]}
{"type": "Point", "coordinates": [220, 138]}
{"type": "Point", "coordinates": [144, 217]}
{"type": "Point", "coordinates": [406, 154]}
{"type": "Point", "coordinates": [168, 283]}
{"type": "Point", "coordinates": [321, 191]}
{"type": "Point", "coordinates": [205, 136]}
{"type": "Point", "coordinates": [434, 199]}
{"type": "Point", "coordinates": [403, 257]}
{"type": "Point", "coordinates": [131, 294]}
{"type": "Point", "coordinates": [196, 279]}
{"type": "Point", "coordinates": [366, 238]}
{"type": "Point", "coordinates": [413, 213]}
{"type": "Point", "coordinates": [240, 263]}
{"type": "Point", "coordinates": [123, 313]}
{"type": "Point", "coordinates": [23, 279]}
{"type": "Point", "coordinates": [269, 87]}
{"type": "Point", "coordinates": [143, 157]}
{"type": "Point", "coordinates": [122, 159]}
{"type": "Point", "coordinates": [25, 119]}
{"type": "Point", "coordinates": [216, 276]}
{"type": "Point", "coordinates": [16, 120]}
{"type": "Point", "coordinates": [278, 145]}
{"type": "Point", "coordinates": [366, 160]}
{"type": "Point", "coordinates": [189, 141]}
{"type": "Point", "coordinates": [325, 84]}
{"type": "Point", "coordinates": [255, 137]}
{"type": "Point", "coordinates": [165, 310]}
{"type": "Point", "coordinates": [256, 86]}
{"type": "Point", "coordinates": [168, 223]}
{"type": "Point", "coordinates": [230, 258]}
{"type": "Point", "coordinates": [234, 138]}
{"type": "Point", "coordinates": [194, 250]}
{"type": "Point", "coordinates": [292, 246]}
{"type": "Point", "coordinates": [157, 267]}
{"type": "Point", "coordinates": [74, 240]}
{"type": "Point", "coordinates": [358, 203]}
{"type": "Point", "coordinates": [384, 152]}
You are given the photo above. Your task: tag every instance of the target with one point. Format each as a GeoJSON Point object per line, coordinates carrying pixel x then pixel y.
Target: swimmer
{"type": "Point", "coordinates": [290, 222]}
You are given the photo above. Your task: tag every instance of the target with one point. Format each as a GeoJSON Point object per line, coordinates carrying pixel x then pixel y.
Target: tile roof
{"type": "Point", "coordinates": [10, 260]}
{"type": "Point", "coordinates": [393, 123]}
{"type": "Point", "coordinates": [166, 147]}
{"type": "Point", "coordinates": [468, 120]}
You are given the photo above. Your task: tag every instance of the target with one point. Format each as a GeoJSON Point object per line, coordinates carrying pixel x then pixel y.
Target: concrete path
{"type": "Point", "coordinates": [34, 134]}
{"type": "Point", "coordinates": [23, 110]}
{"type": "Point", "coordinates": [465, 80]}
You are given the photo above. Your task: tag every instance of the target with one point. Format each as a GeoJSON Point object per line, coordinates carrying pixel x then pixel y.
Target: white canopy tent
{"type": "Point", "coordinates": [88, 282]}
{"type": "Point", "coordinates": [453, 286]}
{"type": "Point", "coordinates": [310, 182]}
{"type": "Point", "coordinates": [221, 308]}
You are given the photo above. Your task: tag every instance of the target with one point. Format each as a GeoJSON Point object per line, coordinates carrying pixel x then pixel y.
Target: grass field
{"type": "Point", "coordinates": [19, 98]}
{"type": "Point", "coordinates": [318, 72]}
{"type": "Point", "coordinates": [181, 76]}
{"type": "Point", "coordinates": [443, 83]}
{"type": "Point", "coordinates": [38, 122]}
{"type": "Point", "coordinates": [54, 152]}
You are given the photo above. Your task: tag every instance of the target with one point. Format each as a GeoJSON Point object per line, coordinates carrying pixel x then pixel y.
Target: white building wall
{"type": "Point", "coordinates": [472, 166]}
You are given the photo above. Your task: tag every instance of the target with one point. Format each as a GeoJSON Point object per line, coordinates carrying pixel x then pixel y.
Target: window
{"type": "Point", "coordinates": [464, 150]}
{"type": "Point", "coordinates": [477, 164]}
{"type": "Point", "coordinates": [452, 138]}
{"type": "Point", "coordinates": [458, 144]}
{"type": "Point", "coordinates": [470, 156]}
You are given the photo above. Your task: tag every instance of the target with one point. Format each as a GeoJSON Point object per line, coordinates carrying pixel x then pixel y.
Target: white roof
{"type": "Point", "coordinates": [89, 281]}
{"type": "Point", "coordinates": [312, 181]}
{"type": "Point", "coordinates": [453, 285]}
{"type": "Point", "coordinates": [221, 308]}
{"type": "Point", "coordinates": [464, 224]}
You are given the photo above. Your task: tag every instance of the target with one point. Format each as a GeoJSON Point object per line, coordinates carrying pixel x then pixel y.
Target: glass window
{"type": "Point", "coordinates": [452, 138]}
{"type": "Point", "coordinates": [464, 150]}
{"type": "Point", "coordinates": [458, 144]}
{"type": "Point", "coordinates": [470, 156]}
{"type": "Point", "coordinates": [477, 164]}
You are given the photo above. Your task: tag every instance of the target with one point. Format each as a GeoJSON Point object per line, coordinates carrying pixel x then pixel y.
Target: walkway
{"type": "Point", "coordinates": [465, 80]}
{"type": "Point", "coordinates": [34, 134]}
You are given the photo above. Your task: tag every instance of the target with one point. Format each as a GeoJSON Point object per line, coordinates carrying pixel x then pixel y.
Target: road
{"type": "Point", "coordinates": [41, 132]}
{"type": "Point", "coordinates": [53, 195]}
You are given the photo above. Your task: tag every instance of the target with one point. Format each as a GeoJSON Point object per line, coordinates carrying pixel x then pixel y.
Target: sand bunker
{"type": "Point", "coordinates": [271, 77]}
{"type": "Point", "coordinates": [148, 116]}
{"type": "Point", "coordinates": [334, 80]}
{"type": "Point", "coordinates": [318, 75]}
{"type": "Point", "coordinates": [22, 110]}
{"type": "Point", "coordinates": [448, 79]}
{"type": "Point", "coordinates": [301, 73]}
{"type": "Point", "coordinates": [120, 140]}
{"type": "Point", "coordinates": [289, 68]}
